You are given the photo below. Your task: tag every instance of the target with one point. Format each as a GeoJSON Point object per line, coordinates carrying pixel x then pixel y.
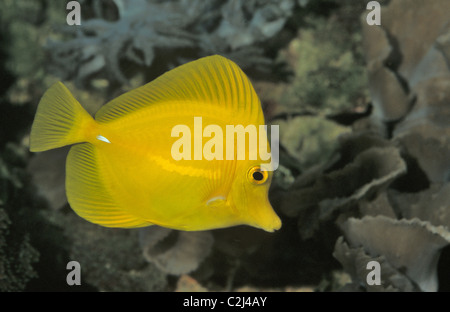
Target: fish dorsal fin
{"type": "Point", "coordinates": [212, 80]}
{"type": "Point", "coordinates": [87, 194]}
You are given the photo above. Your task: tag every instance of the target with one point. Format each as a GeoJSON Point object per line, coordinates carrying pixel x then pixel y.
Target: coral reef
{"type": "Point", "coordinates": [175, 252]}
{"type": "Point", "coordinates": [110, 259]}
{"type": "Point", "coordinates": [17, 257]}
{"type": "Point", "coordinates": [143, 30]}
{"type": "Point", "coordinates": [412, 252]}
{"type": "Point", "coordinates": [17, 254]}
{"type": "Point", "coordinates": [369, 172]}
{"type": "Point", "coordinates": [329, 73]}
{"type": "Point", "coordinates": [364, 143]}
{"type": "Point", "coordinates": [387, 179]}
{"type": "Point", "coordinates": [408, 85]}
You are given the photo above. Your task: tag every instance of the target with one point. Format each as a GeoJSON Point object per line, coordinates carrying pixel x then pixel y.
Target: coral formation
{"type": "Point", "coordinates": [364, 148]}
{"type": "Point", "coordinates": [110, 259]}
{"type": "Point", "coordinates": [17, 257]}
{"type": "Point", "coordinates": [412, 251]}
{"type": "Point", "coordinates": [142, 30]}
{"type": "Point", "coordinates": [175, 252]}
{"type": "Point", "coordinates": [408, 82]}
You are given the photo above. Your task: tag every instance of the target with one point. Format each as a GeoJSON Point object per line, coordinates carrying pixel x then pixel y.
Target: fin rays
{"type": "Point", "coordinates": [60, 120]}
{"type": "Point", "coordinates": [87, 194]}
{"type": "Point", "coordinates": [213, 80]}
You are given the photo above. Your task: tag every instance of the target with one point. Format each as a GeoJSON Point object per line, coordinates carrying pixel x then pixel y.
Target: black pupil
{"type": "Point", "coordinates": [258, 176]}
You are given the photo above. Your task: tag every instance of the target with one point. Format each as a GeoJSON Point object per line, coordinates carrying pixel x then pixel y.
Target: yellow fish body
{"type": "Point", "coordinates": [121, 172]}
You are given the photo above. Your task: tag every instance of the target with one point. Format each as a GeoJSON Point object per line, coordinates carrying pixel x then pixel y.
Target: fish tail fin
{"type": "Point", "coordinates": [60, 120]}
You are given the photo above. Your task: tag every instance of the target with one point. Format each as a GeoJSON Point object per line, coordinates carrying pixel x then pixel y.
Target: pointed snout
{"type": "Point", "coordinates": [265, 218]}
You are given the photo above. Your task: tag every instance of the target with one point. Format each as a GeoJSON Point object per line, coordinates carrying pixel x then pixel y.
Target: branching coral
{"type": "Point", "coordinates": [145, 29]}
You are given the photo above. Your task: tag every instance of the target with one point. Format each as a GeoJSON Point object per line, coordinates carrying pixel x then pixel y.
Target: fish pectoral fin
{"type": "Point", "coordinates": [87, 194]}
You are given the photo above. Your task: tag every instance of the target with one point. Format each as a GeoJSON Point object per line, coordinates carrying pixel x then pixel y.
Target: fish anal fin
{"type": "Point", "coordinates": [87, 194]}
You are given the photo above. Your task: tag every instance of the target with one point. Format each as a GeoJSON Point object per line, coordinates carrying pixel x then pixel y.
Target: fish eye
{"type": "Point", "coordinates": [257, 175]}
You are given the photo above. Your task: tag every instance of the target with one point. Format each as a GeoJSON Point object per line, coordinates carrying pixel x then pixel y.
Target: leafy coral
{"type": "Point", "coordinates": [420, 74]}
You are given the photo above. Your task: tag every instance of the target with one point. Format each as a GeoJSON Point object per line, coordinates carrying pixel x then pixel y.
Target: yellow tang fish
{"type": "Point", "coordinates": [121, 171]}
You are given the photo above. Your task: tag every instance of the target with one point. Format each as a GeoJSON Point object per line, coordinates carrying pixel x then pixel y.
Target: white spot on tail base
{"type": "Point", "coordinates": [102, 138]}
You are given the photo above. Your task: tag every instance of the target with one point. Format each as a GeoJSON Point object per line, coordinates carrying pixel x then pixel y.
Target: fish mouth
{"type": "Point", "coordinates": [272, 227]}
